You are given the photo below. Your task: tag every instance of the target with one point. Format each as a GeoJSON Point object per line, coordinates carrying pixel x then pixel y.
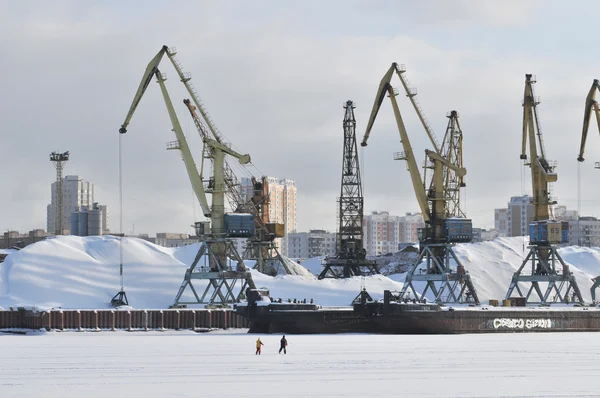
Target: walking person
{"type": "Point", "coordinates": [259, 345]}
{"type": "Point", "coordinates": [283, 345]}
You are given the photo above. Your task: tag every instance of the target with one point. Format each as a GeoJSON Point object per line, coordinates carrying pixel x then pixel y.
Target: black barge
{"type": "Point", "coordinates": [392, 316]}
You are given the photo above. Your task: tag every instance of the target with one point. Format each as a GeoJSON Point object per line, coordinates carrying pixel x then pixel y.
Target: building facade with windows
{"type": "Point", "coordinates": [381, 233]}
{"type": "Point", "coordinates": [282, 205]}
{"type": "Point", "coordinates": [76, 194]}
{"type": "Point", "coordinates": [515, 218]}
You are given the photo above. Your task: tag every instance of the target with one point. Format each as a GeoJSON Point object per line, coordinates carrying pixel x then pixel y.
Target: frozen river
{"type": "Point", "coordinates": [223, 364]}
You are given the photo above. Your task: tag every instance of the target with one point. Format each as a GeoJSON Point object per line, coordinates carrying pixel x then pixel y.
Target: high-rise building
{"type": "Point", "coordinates": [315, 243]}
{"type": "Point", "coordinates": [76, 194]}
{"type": "Point", "coordinates": [515, 219]}
{"type": "Point", "coordinates": [382, 233]}
{"type": "Point", "coordinates": [501, 221]}
{"type": "Point", "coordinates": [408, 227]}
{"type": "Point", "coordinates": [282, 205]}
{"type": "Point", "coordinates": [584, 232]}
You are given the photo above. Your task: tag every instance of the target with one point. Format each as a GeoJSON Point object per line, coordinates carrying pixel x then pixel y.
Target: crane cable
{"type": "Point", "coordinates": [522, 173]}
{"type": "Point", "coordinates": [578, 203]}
{"type": "Point", "coordinates": [121, 211]}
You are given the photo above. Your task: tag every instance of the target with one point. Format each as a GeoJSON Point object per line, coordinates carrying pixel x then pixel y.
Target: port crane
{"type": "Point", "coordinates": [350, 259]}
{"type": "Point", "coordinates": [261, 247]}
{"type": "Point", "coordinates": [217, 253]}
{"type": "Point", "coordinates": [450, 149]}
{"type": "Point", "coordinates": [544, 233]}
{"type": "Point", "coordinates": [591, 105]}
{"type": "Point", "coordinates": [441, 233]}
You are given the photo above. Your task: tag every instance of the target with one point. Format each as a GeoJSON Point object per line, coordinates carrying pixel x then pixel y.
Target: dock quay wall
{"type": "Point", "coordinates": [172, 319]}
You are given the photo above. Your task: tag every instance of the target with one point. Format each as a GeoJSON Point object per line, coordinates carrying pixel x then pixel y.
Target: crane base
{"type": "Point", "coordinates": [561, 287]}
{"type": "Point", "coordinates": [339, 268]}
{"type": "Point", "coordinates": [225, 283]}
{"type": "Point", "coordinates": [448, 286]}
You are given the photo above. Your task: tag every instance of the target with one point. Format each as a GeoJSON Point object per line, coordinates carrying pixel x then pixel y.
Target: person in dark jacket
{"type": "Point", "coordinates": [283, 345]}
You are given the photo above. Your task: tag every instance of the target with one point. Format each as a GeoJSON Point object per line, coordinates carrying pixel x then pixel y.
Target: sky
{"type": "Point", "coordinates": [274, 76]}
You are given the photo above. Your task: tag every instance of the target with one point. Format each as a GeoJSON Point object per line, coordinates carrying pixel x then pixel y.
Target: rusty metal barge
{"type": "Point", "coordinates": [392, 316]}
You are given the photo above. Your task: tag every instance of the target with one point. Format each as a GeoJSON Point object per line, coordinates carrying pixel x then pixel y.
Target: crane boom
{"type": "Point", "coordinates": [542, 172]}
{"type": "Point", "coordinates": [182, 145]}
{"type": "Point", "coordinates": [383, 89]}
{"type": "Point", "coordinates": [590, 105]}
{"type": "Point", "coordinates": [412, 96]}
{"type": "Point", "coordinates": [146, 78]}
{"type": "Point", "coordinates": [415, 176]}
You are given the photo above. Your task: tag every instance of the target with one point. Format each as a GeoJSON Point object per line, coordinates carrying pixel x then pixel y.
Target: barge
{"type": "Point", "coordinates": [394, 316]}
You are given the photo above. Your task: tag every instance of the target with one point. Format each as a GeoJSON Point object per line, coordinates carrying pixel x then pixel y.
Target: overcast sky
{"type": "Point", "coordinates": [274, 76]}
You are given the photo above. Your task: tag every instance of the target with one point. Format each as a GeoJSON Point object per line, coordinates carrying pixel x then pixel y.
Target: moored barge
{"type": "Point", "coordinates": [394, 316]}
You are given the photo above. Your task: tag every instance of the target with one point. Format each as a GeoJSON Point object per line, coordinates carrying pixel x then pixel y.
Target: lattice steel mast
{"type": "Point", "coordinates": [59, 159]}
{"type": "Point", "coordinates": [452, 151]}
{"type": "Point", "coordinates": [350, 259]}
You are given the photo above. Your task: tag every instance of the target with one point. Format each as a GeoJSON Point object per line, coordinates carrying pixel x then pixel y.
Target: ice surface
{"type": "Point", "coordinates": [153, 364]}
{"type": "Point", "coordinates": [83, 272]}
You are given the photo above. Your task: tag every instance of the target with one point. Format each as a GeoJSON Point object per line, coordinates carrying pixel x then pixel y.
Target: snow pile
{"type": "Point", "coordinates": [83, 272]}
{"type": "Point", "coordinates": [492, 264]}
{"type": "Point", "coordinates": [314, 265]}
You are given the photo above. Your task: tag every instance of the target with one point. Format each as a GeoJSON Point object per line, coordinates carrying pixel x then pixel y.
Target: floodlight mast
{"type": "Point", "coordinates": [59, 159]}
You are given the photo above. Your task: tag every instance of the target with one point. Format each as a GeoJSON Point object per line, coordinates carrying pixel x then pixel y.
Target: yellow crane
{"type": "Point", "coordinates": [441, 232]}
{"type": "Point", "coordinates": [451, 147]}
{"type": "Point", "coordinates": [591, 105]}
{"type": "Point", "coordinates": [544, 232]}
{"type": "Point", "coordinates": [216, 248]}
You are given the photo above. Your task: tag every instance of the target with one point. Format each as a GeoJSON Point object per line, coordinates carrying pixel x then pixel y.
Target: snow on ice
{"type": "Point", "coordinates": [185, 364]}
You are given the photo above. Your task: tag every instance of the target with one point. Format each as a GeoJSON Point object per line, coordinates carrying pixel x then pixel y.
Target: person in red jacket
{"type": "Point", "coordinates": [259, 345]}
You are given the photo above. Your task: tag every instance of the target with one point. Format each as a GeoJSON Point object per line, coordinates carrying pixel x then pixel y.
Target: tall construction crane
{"type": "Point", "coordinates": [350, 259]}
{"type": "Point", "coordinates": [212, 263]}
{"type": "Point", "coordinates": [441, 233]}
{"type": "Point", "coordinates": [591, 105]}
{"type": "Point", "coordinates": [544, 233]}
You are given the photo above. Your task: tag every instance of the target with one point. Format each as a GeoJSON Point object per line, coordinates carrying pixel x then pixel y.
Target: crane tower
{"type": "Point", "coordinates": [59, 159]}
{"type": "Point", "coordinates": [351, 255]}
{"type": "Point", "coordinates": [544, 233]}
{"type": "Point", "coordinates": [452, 151]}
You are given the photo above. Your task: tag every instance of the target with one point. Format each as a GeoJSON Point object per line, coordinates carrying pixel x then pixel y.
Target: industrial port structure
{"type": "Point", "coordinates": [437, 190]}
{"type": "Point", "coordinates": [445, 225]}
{"type": "Point", "coordinates": [217, 263]}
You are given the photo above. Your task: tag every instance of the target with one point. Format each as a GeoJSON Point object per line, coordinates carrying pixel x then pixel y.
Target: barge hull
{"type": "Point", "coordinates": [426, 322]}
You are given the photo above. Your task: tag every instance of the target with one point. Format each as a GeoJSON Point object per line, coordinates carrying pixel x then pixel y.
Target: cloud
{"type": "Point", "coordinates": [275, 89]}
